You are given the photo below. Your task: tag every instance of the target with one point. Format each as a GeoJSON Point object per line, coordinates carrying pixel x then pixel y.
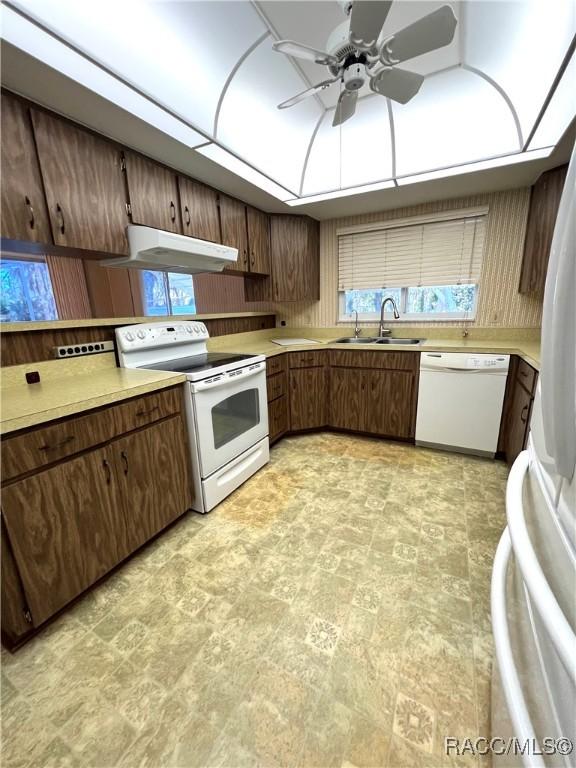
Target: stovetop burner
{"type": "Point", "coordinates": [198, 363]}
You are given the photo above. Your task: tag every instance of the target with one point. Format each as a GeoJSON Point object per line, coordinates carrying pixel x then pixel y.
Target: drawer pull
{"type": "Point", "coordinates": [147, 412]}
{"type": "Point", "coordinates": [524, 414]}
{"type": "Point", "coordinates": [125, 461]}
{"type": "Point", "coordinates": [106, 465]}
{"type": "Point", "coordinates": [61, 444]}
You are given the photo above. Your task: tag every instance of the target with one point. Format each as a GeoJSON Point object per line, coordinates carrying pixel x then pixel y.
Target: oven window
{"type": "Point", "coordinates": [234, 416]}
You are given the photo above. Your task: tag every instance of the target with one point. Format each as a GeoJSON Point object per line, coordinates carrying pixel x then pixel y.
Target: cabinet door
{"type": "Point", "coordinates": [278, 418]}
{"type": "Point", "coordinates": [155, 478]}
{"type": "Point", "coordinates": [233, 225]}
{"type": "Point", "coordinates": [308, 398]}
{"type": "Point", "coordinates": [66, 529]}
{"type": "Point", "coordinates": [84, 186]}
{"type": "Point", "coordinates": [388, 403]}
{"type": "Point", "coordinates": [258, 240]}
{"type": "Point", "coordinates": [199, 209]}
{"type": "Point", "coordinates": [153, 192]}
{"type": "Point", "coordinates": [517, 423]}
{"type": "Point", "coordinates": [347, 395]}
{"type": "Point", "coordinates": [24, 212]}
{"type": "Point", "coordinates": [295, 258]}
{"type": "Point", "coordinates": [544, 203]}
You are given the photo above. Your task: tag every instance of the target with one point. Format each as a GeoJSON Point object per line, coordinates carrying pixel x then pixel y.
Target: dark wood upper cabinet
{"type": "Point", "coordinates": [84, 186]}
{"type": "Point", "coordinates": [199, 209]}
{"type": "Point", "coordinates": [153, 193]}
{"type": "Point", "coordinates": [233, 226]}
{"type": "Point", "coordinates": [294, 262]}
{"type": "Point", "coordinates": [544, 202]}
{"type": "Point", "coordinates": [258, 224]}
{"type": "Point", "coordinates": [24, 213]}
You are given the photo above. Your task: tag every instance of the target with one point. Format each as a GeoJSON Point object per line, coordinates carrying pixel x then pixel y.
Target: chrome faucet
{"type": "Point", "coordinates": [381, 329]}
{"type": "Point", "coordinates": [357, 330]}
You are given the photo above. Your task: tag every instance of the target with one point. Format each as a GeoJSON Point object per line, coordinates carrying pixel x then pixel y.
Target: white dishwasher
{"type": "Point", "coordinates": [460, 401]}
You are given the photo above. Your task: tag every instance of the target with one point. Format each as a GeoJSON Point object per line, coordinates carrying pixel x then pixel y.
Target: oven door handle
{"type": "Point", "coordinates": [226, 379]}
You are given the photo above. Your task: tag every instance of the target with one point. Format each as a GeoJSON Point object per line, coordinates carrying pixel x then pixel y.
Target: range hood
{"type": "Point", "coordinates": [168, 252]}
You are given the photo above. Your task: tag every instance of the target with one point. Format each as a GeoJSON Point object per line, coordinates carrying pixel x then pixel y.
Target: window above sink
{"type": "Point", "coordinates": [439, 302]}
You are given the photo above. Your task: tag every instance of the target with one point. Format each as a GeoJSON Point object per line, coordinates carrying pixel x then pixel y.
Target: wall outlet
{"type": "Point", "coordinates": [86, 348]}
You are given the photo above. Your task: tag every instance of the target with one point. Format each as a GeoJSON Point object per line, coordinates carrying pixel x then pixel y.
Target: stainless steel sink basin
{"type": "Point", "coordinates": [377, 340]}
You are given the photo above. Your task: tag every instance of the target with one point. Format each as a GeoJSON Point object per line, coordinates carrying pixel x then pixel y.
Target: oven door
{"type": "Point", "coordinates": [231, 414]}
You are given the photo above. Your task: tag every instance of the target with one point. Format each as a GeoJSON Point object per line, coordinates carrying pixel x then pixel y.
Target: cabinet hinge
{"type": "Point", "coordinates": [28, 616]}
{"type": "Point", "coordinates": [128, 209]}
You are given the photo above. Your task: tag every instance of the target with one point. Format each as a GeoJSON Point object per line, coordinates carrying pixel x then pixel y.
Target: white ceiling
{"type": "Point", "coordinates": [204, 73]}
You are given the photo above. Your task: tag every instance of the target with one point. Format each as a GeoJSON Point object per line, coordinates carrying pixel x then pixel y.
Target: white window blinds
{"type": "Point", "coordinates": [437, 253]}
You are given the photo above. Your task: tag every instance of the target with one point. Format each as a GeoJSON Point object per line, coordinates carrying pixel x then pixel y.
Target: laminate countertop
{"type": "Point", "coordinates": [28, 405]}
{"type": "Point", "coordinates": [527, 350]}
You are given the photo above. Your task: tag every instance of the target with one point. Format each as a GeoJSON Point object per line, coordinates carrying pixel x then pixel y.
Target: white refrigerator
{"type": "Point", "coordinates": [533, 593]}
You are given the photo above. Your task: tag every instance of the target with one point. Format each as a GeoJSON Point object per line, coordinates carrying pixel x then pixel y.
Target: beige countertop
{"type": "Point", "coordinates": [72, 386]}
{"type": "Point", "coordinates": [27, 405]}
{"type": "Point", "coordinates": [527, 350]}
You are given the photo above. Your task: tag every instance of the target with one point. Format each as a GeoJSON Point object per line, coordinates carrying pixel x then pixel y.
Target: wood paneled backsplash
{"type": "Point", "coordinates": [499, 303]}
{"type": "Point", "coordinates": [32, 346]}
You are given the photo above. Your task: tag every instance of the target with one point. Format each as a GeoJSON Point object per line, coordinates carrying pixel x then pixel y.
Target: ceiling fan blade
{"type": "Point", "coordinates": [308, 92]}
{"type": "Point", "coordinates": [291, 48]}
{"type": "Point", "coordinates": [427, 34]}
{"type": "Point", "coordinates": [366, 22]}
{"type": "Point", "coordinates": [397, 84]}
{"type": "Point", "coordinates": [345, 108]}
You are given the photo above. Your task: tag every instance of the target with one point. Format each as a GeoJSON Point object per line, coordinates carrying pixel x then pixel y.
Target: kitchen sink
{"type": "Point", "coordinates": [377, 340]}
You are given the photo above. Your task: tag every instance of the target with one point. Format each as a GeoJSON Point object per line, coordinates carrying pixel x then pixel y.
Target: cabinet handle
{"type": "Point", "coordinates": [125, 461]}
{"type": "Point", "coordinates": [31, 220]}
{"type": "Point", "coordinates": [61, 222]}
{"type": "Point", "coordinates": [147, 412]}
{"type": "Point", "coordinates": [523, 373]}
{"type": "Point", "coordinates": [172, 211]}
{"type": "Point", "coordinates": [524, 414]}
{"type": "Point", "coordinates": [55, 447]}
{"type": "Point", "coordinates": [187, 219]}
{"type": "Point", "coordinates": [106, 465]}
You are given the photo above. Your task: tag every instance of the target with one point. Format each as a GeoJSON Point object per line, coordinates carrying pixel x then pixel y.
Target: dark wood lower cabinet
{"type": "Point", "coordinates": [68, 524]}
{"type": "Point", "coordinates": [517, 410]}
{"type": "Point", "coordinates": [376, 402]}
{"type": "Point", "coordinates": [66, 528]}
{"type": "Point", "coordinates": [278, 418]}
{"type": "Point", "coordinates": [155, 482]}
{"type": "Point", "coordinates": [308, 388]}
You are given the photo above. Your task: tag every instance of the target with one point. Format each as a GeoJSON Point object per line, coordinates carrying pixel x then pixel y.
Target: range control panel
{"type": "Point", "coordinates": [150, 335]}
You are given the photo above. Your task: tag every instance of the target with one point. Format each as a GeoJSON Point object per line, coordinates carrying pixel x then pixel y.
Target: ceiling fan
{"type": "Point", "coordinates": [354, 55]}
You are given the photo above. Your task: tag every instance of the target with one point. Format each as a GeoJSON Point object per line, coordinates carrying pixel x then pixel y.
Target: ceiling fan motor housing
{"type": "Point", "coordinates": [354, 76]}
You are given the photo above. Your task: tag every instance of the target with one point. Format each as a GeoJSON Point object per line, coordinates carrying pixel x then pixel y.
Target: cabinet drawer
{"type": "Point", "coordinates": [399, 361]}
{"type": "Point", "coordinates": [275, 364]}
{"type": "Point", "coordinates": [308, 359]}
{"type": "Point", "coordinates": [526, 375]}
{"type": "Point", "coordinates": [278, 417]}
{"type": "Point", "coordinates": [276, 386]}
{"type": "Point", "coordinates": [39, 447]}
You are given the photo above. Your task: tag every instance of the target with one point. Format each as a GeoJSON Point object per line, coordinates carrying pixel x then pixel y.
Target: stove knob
{"type": "Point", "coordinates": [129, 336]}
{"type": "Point", "coordinates": [189, 329]}
{"type": "Point", "coordinates": [196, 329]}
{"type": "Point", "coordinates": [141, 334]}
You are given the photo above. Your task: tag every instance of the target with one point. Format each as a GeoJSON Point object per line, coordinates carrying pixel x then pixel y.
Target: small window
{"type": "Point", "coordinates": [437, 302]}
{"type": "Point", "coordinates": [26, 291]}
{"type": "Point", "coordinates": [167, 293]}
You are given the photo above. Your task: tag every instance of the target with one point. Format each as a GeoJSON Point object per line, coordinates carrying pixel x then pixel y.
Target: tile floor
{"type": "Point", "coordinates": [333, 612]}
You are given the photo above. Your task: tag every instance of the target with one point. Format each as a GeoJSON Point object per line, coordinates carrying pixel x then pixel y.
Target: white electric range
{"type": "Point", "coordinates": [226, 402]}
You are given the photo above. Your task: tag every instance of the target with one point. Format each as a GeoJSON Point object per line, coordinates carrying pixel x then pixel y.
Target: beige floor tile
{"type": "Point", "coordinates": [333, 611]}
